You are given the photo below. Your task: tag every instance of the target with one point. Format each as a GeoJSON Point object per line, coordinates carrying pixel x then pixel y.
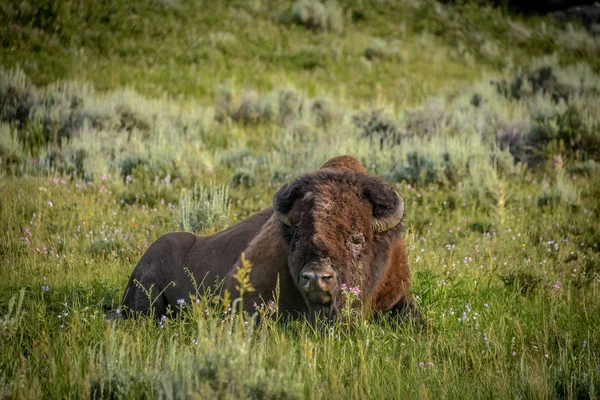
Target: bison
{"type": "Point", "coordinates": [328, 230]}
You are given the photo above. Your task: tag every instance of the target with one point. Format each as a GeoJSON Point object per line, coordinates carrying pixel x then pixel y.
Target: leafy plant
{"type": "Point", "coordinates": [206, 207]}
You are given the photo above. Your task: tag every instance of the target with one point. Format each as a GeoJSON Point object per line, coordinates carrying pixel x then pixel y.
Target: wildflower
{"type": "Point", "coordinates": [50, 204]}
{"type": "Point", "coordinates": [118, 312]}
{"type": "Point", "coordinates": [557, 285]}
{"type": "Point", "coordinates": [195, 342]}
{"type": "Point", "coordinates": [514, 353]}
{"type": "Point", "coordinates": [180, 302]}
{"type": "Point", "coordinates": [584, 344]}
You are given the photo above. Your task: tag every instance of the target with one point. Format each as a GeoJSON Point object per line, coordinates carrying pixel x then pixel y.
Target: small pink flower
{"type": "Point", "coordinates": [27, 240]}
{"type": "Point", "coordinates": [50, 204]}
{"type": "Point", "coordinates": [557, 285]}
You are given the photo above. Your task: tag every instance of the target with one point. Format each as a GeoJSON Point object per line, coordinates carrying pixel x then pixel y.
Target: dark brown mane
{"type": "Point", "coordinates": [345, 164]}
{"type": "Point", "coordinates": [372, 188]}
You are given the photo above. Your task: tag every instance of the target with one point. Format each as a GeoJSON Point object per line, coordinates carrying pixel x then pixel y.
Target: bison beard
{"type": "Point", "coordinates": [333, 227]}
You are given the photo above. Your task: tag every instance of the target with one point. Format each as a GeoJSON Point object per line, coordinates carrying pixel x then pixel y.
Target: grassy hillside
{"type": "Point", "coordinates": [123, 121]}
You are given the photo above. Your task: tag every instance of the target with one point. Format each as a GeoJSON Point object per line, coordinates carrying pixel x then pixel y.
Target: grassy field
{"type": "Point", "coordinates": [123, 121]}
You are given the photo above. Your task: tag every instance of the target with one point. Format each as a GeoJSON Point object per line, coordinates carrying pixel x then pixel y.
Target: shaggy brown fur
{"type": "Point", "coordinates": [329, 212]}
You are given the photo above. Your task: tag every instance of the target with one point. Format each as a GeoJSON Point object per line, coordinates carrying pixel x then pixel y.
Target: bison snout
{"type": "Point", "coordinates": [318, 283]}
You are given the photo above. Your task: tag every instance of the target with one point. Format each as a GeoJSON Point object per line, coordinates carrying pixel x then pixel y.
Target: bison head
{"type": "Point", "coordinates": [338, 227]}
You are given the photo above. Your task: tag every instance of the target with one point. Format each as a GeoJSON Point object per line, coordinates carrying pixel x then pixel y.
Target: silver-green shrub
{"type": "Point", "coordinates": [317, 15]}
{"type": "Point", "coordinates": [204, 208]}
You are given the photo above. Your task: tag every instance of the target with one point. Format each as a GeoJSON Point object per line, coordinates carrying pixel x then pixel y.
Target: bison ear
{"type": "Point", "coordinates": [283, 201]}
{"type": "Point", "coordinates": [388, 206]}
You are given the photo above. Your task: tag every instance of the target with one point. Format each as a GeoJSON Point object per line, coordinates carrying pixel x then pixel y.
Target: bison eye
{"type": "Point", "coordinates": [295, 237]}
{"type": "Point", "coordinates": [355, 244]}
{"type": "Point", "coordinates": [358, 240]}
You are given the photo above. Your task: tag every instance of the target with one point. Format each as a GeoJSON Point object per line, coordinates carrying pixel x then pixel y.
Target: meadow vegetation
{"type": "Point", "coordinates": [121, 121]}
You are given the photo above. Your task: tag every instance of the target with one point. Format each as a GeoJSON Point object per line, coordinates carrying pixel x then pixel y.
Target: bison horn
{"type": "Point", "coordinates": [283, 218]}
{"type": "Point", "coordinates": [385, 223]}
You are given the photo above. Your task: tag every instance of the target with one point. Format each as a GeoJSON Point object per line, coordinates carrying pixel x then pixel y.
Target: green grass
{"type": "Point", "coordinates": [130, 105]}
{"type": "Point", "coordinates": [539, 341]}
{"type": "Point", "coordinates": [188, 49]}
